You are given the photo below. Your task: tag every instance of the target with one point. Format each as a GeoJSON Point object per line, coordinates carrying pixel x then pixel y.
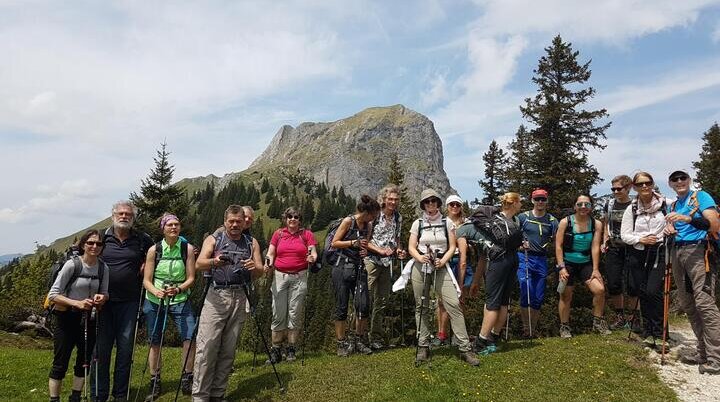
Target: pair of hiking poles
{"type": "Point", "coordinates": [424, 299]}
{"type": "Point", "coordinates": [88, 316]}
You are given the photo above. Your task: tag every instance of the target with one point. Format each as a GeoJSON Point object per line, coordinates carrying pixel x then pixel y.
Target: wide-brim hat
{"type": "Point", "coordinates": [427, 194]}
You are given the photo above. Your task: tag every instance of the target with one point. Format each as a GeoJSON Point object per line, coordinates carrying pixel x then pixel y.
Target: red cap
{"type": "Point", "coordinates": [539, 193]}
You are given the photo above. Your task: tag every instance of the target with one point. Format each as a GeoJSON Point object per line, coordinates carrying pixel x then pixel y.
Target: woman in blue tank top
{"type": "Point", "coordinates": [577, 250]}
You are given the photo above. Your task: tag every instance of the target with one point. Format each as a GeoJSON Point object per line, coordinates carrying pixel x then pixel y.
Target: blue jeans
{"type": "Point", "coordinates": [181, 313]}
{"type": "Point", "coordinates": [117, 327]}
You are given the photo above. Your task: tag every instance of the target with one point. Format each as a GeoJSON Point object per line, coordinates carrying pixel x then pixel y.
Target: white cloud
{"type": "Point", "coordinates": [611, 21]}
{"type": "Point", "coordinates": [438, 91]}
{"type": "Point", "coordinates": [67, 197]}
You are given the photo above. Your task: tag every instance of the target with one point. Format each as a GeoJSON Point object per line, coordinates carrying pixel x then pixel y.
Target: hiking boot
{"type": "Point", "coordinates": [649, 341]}
{"type": "Point", "coordinates": [186, 382]}
{"type": "Point", "coordinates": [709, 367]}
{"type": "Point", "coordinates": [154, 388]}
{"type": "Point", "coordinates": [290, 353]}
{"type": "Point", "coordinates": [362, 347]}
{"type": "Point", "coordinates": [422, 354]}
{"type": "Point", "coordinates": [275, 355]}
{"type": "Point", "coordinates": [469, 358]}
{"type": "Point", "coordinates": [74, 397]}
{"type": "Point", "coordinates": [565, 331]}
{"type": "Point", "coordinates": [600, 326]}
{"type": "Point", "coordinates": [344, 348]}
{"type": "Point", "coordinates": [659, 345]}
{"type": "Point", "coordinates": [692, 358]}
{"type": "Point", "coordinates": [377, 345]}
{"type": "Point", "coordinates": [619, 322]}
{"type": "Point", "coordinates": [484, 347]}
{"type": "Point", "coordinates": [635, 324]}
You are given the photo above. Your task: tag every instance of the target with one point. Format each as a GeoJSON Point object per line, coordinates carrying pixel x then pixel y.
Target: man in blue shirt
{"type": "Point", "coordinates": [690, 218]}
{"type": "Point", "coordinates": [539, 228]}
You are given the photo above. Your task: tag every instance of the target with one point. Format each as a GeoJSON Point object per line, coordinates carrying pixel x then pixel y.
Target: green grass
{"type": "Point", "coordinates": [584, 368]}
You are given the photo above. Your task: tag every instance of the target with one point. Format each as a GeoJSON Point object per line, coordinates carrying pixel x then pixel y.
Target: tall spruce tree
{"type": "Point", "coordinates": [408, 206]}
{"type": "Point", "coordinates": [158, 195]}
{"type": "Point", "coordinates": [708, 167]}
{"type": "Point", "coordinates": [517, 166]}
{"type": "Point", "coordinates": [563, 132]}
{"type": "Point", "coordinates": [495, 182]}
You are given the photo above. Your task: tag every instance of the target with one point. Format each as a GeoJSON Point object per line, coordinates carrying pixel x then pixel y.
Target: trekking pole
{"type": "Point", "coordinates": [95, 352]}
{"type": "Point", "coordinates": [132, 355]}
{"type": "Point", "coordinates": [147, 360]}
{"type": "Point", "coordinates": [666, 295]}
{"type": "Point", "coordinates": [86, 364]}
{"type": "Point", "coordinates": [162, 337]}
{"type": "Point", "coordinates": [254, 363]}
{"type": "Point", "coordinates": [630, 331]}
{"type": "Point", "coordinates": [422, 305]}
{"type": "Point", "coordinates": [208, 282]}
{"type": "Point", "coordinates": [246, 289]}
{"type": "Point", "coordinates": [305, 316]}
{"type": "Point", "coordinates": [527, 284]}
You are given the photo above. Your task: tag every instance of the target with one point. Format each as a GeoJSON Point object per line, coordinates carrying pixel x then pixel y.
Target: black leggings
{"type": "Point", "coordinates": [647, 269]}
{"type": "Point", "coordinates": [70, 333]}
{"type": "Point", "coordinates": [350, 279]}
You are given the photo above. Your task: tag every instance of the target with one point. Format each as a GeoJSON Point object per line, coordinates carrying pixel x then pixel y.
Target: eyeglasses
{"type": "Point", "coordinates": [644, 183]}
{"type": "Point", "coordinates": [455, 205]}
{"type": "Point", "coordinates": [617, 189]}
{"type": "Point", "coordinates": [540, 199]}
{"type": "Point", "coordinates": [433, 200]}
{"type": "Point", "coordinates": [94, 243]}
{"type": "Point", "coordinates": [678, 178]}
{"type": "Point", "coordinates": [292, 217]}
{"type": "Point", "coordinates": [583, 204]}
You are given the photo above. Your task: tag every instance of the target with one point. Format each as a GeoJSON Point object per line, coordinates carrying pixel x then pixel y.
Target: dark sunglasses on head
{"type": "Point", "coordinates": [292, 217]}
{"type": "Point", "coordinates": [681, 177]}
{"type": "Point", "coordinates": [583, 204]}
{"type": "Point", "coordinates": [94, 243]}
{"type": "Point", "coordinates": [455, 204]}
{"type": "Point", "coordinates": [540, 199]}
{"type": "Point", "coordinates": [644, 183]}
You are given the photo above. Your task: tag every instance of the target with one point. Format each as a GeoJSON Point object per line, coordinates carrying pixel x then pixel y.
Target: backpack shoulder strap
{"type": "Point", "coordinates": [420, 228]}
{"type": "Point", "coordinates": [158, 253]}
{"type": "Point", "coordinates": [184, 251]}
{"type": "Point", "coordinates": [77, 270]}
{"type": "Point", "coordinates": [447, 234]}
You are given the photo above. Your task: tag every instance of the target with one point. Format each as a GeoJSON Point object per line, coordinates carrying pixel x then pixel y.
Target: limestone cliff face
{"type": "Point", "coordinates": [355, 152]}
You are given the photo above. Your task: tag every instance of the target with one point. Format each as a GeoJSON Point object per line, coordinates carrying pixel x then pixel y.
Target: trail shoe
{"type": "Point", "coordinates": [422, 354]}
{"type": "Point", "coordinates": [484, 347]}
{"type": "Point", "coordinates": [290, 353]}
{"type": "Point", "coordinates": [600, 326]}
{"type": "Point", "coordinates": [377, 345]}
{"type": "Point", "coordinates": [634, 323]}
{"type": "Point", "coordinates": [154, 388]}
{"type": "Point", "coordinates": [709, 367]}
{"type": "Point", "coordinates": [361, 347]}
{"type": "Point", "coordinates": [275, 355]}
{"type": "Point", "coordinates": [649, 341]}
{"type": "Point", "coordinates": [469, 358]}
{"type": "Point", "coordinates": [186, 382]}
{"type": "Point", "coordinates": [619, 322]}
{"type": "Point", "coordinates": [692, 358]}
{"type": "Point", "coordinates": [344, 348]}
{"type": "Point", "coordinates": [659, 345]}
{"type": "Point", "coordinates": [75, 396]}
{"type": "Point", "coordinates": [565, 331]}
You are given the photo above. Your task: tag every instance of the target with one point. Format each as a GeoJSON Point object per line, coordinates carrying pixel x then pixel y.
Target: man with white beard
{"type": "Point", "coordinates": [124, 253]}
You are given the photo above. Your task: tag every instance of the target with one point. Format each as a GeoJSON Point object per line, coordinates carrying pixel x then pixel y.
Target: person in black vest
{"type": "Point", "coordinates": [232, 257]}
{"type": "Point", "coordinates": [124, 253]}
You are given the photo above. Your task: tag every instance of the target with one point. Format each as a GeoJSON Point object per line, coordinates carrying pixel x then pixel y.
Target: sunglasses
{"type": "Point", "coordinates": [455, 205]}
{"type": "Point", "coordinates": [678, 178]}
{"type": "Point", "coordinates": [292, 217]}
{"type": "Point", "coordinates": [644, 183]}
{"type": "Point", "coordinates": [94, 243]}
{"type": "Point", "coordinates": [540, 199]}
{"type": "Point", "coordinates": [583, 204]}
{"type": "Point", "coordinates": [616, 189]}
{"type": "Point", "coordinates": [433, 200]}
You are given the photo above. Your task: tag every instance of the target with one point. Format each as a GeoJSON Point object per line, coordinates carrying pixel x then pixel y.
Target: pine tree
{"type": "Point", "coordinates": [518, 167]}
{"type": "Point", "coordinates": [408, 206]}
{"type": "Point", "coordinates": [158, 195]}
{"type": "Point", "coordinates": [495, 182]}
{"type": "Point", "coordinates": [564, 132]}
{"type": "Point", "coordinates": [708, 167]}
{"type": "Point", "coordinates": [269, 195]}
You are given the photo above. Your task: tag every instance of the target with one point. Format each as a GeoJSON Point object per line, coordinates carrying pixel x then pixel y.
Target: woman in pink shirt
{"type": "Point", "coordinates": [291, 251]}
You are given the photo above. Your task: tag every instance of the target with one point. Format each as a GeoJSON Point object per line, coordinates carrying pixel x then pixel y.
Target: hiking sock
{"type": "Point", "coordinates": [442, 336]}
{"type": "Point", "coordinates": [54, 399]}
{"type": "Point", "coordinates": [74, 393]}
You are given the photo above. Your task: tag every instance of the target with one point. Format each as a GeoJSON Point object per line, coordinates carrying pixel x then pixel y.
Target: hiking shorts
{"type": "Point", "coordinates": [180, 313]}
{"type": "Point", "coordinates": [499, 278]}
{"type": "Point", "coordinates": [350, 279]}
{"type": "Point", "coordinates": [455, 267]}
{"type": "Point", "coordinates": [617, 273]}
{"type": "Point", "coordinates": [578, 272]}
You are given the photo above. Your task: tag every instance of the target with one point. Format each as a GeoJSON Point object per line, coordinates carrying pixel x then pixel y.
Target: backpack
{"type": "Point", "coordinates": [72, 253]}
{"type": "Point", "coordinates": [634, 206]}
{"type": "Point", "coordinates": [529, 219]}
{"type": "Point", "coordinates": [505, 235]}
{"type": "Point", "coordinates": [331, 256]}
{"type": "Point", "coordinates": [569, 237]}
{"type": "Point", "coordinates": [183, 252]}
{"type": "Point", "coordinates": [421, 227]}
{"type": "Point", "coordinates": [315, 268]}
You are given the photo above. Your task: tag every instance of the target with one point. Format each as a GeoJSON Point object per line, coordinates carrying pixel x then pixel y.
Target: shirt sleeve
{"type": "Point", "coordinates": [705, 201]}
{"type": "Point", "coordinates": [414, 228]}
{"type": "Point", "coordinates": [627, 231]}
{"type": "Point", "coordinates": [274, 238]}
{"type": "Point", "coordinates": [62, 280]}
{"type": "Point", "coordinates": [310, 238]}
{"type": "Point", "coordinates": [555, 224]}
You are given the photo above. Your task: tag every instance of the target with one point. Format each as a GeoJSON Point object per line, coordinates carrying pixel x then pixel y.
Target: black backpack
{"type": "Point", "coordinates": [504, 234]}
{"type": "Point", "coordinates": [569, 237]}
{"type": "Point", "coordinates": [72, 253]}
{"type": "Point", "coordinates": [331, 256]}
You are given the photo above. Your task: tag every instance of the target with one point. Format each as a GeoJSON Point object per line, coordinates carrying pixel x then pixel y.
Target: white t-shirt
{"type": "Point", "coordinates": [433, 234]}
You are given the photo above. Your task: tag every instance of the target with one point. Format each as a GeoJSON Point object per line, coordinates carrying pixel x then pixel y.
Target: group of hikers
{"type": "Point", "coordinates": [98, 295]}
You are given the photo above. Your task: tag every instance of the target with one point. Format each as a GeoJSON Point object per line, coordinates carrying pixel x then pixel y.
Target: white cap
{"type": "Point", "coordinates": [453, 198]}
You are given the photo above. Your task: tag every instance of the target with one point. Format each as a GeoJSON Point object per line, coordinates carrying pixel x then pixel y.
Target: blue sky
{"type": "Point", "coordinates": [90, 89]}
